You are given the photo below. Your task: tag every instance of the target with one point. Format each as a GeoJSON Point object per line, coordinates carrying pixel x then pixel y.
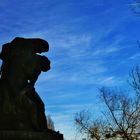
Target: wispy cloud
{"type": "Point", "coordinates": [91, 45]}
{"type": "Point", "coordinates": [105, 51]}
{"type": "Point", "coordinates": [111, 81]}
{"type": "Point", "coordinates": [135, 56]}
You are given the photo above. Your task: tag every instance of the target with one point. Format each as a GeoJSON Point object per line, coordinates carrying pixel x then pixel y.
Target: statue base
{"type": "Point", "coordinates": [28, 135]}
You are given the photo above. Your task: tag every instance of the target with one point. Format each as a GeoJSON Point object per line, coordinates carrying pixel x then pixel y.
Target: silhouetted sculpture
{"type": "Point", "coordinates": [20, 106]}
{"type": "Point", "coordinates": [22, 113]}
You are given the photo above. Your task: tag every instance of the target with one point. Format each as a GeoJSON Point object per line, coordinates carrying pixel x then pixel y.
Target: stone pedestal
{"type": "Point", "coordinates": [27, 135]}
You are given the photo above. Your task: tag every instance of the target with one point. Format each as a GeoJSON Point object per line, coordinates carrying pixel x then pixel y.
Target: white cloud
{"type": "Point", "coordinates": [135, 56]}
{"type": "Point", "coordinates": [111, 81]}
{"type": "Point", "coordinates": [105, 51]}
{"type": "Point", "coordinates": [71, 107]}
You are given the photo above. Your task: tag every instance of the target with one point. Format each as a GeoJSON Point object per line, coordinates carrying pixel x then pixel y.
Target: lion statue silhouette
{"type": "Point", "coordinates": [21, 108]}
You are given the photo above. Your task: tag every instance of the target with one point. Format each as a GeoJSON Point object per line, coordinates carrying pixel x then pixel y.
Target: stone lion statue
{"type": "Point", "coordinates": [21, 108]}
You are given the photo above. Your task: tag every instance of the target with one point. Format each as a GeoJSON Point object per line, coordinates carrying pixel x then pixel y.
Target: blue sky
{"type": "Point", "coordinates": [93, 43]}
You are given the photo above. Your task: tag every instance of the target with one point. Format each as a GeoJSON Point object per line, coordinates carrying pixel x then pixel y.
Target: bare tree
{"type": "Point", "coordinates": [135, 81]}
{"type": "Point", "coordinates": [121, 117]}
{"type": "Point", "coordinates": [85, 124]}
{"type": "Point", "coordinates": [50, 123]}
{"type": "Point", "coordinates": [123, 113]}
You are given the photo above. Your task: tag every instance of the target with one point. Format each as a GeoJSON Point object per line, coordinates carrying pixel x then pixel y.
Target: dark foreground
{"type": "Point", "coordinates": [26, 135]}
